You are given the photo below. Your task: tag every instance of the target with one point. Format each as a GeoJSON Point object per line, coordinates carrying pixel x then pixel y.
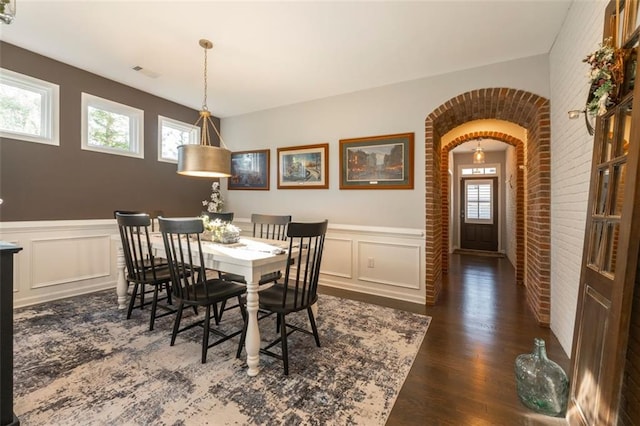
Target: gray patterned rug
{"type": "Point", "coordinates": [78, 361]}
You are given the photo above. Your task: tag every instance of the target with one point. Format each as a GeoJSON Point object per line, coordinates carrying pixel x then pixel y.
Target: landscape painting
{"type": "Point", "coordinates": [378, 162]}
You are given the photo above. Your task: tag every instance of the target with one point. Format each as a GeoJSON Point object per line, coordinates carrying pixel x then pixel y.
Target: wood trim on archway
{"type": "Point", "coordinates": [531, 112]}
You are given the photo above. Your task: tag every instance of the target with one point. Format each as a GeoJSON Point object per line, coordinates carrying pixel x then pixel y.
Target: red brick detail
{"type": "Point", "coordinates": [533, 230]}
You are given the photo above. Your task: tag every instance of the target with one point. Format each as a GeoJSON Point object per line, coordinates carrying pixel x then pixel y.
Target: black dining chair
{"type": "Point", "coordinates": [190, 286]}
{"type": "Point", "coordinates": [224, 217]}
{"type": "Point", "coordinates": [298, 290]}
{"type": "Point", "coordinates": [143, 268]}
{"type": "Point", "coordinates": [273, 227]}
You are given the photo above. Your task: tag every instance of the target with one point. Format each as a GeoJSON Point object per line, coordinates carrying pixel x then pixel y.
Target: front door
{"type": "Point", "coordinates": [479, 214]}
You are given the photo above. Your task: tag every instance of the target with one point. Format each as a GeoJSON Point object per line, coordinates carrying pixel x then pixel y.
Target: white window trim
{"type": "Point", "coordinates": [50, 112]}
{"type": "Point", "coordinates": [194, 134]}
{"type": "Point", "coordinates": [478, 166]}
{"type": "Point", "coordinates": [136, 125]}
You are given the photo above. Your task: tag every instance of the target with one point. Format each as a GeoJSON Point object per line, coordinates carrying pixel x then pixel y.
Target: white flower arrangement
{"type": "Point", "coordinates": [219, 231]}
{"type": "Point", "coordinates": [214, 205]}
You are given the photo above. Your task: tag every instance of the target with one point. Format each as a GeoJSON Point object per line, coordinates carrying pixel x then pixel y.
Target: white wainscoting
{"type": "Point", "coordinates": [66, 258]}
{"type": "Point", "coordinates": [381, 261]}
{"type": "Point", "coordinates": [61, 258]}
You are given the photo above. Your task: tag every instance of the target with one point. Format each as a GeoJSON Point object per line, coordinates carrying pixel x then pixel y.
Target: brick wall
{"type": "Point", "coordinates": [529, 111]}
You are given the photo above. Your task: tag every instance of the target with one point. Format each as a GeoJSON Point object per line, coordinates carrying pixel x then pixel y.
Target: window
{"type": "Point", "coordinates": [111, 127]}
{"type": "Point", "coordinates": [470, 171]}
{"type": "Point", "coordinates": [478, 200]}
{"type": "Point", "coordinates": [28, 108]}
{"type": "Point", "coordinates": [173, 133]}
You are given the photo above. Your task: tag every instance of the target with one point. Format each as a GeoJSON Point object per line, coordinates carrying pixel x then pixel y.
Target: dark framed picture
{"type": "Point", "coordinates": [377, 162]}
{"type": "Point", "coordinates": [303, 167]}
{"type": "Point", "coordinates": [249, 170]}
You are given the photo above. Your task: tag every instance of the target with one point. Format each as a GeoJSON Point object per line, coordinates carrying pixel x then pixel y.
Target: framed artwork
{"type": "Point", "coordinates": [377, 162]}
{"type": "Point", "coordinates": [303, 167]}
{"type": "Point", "coordinates": [249, 170]}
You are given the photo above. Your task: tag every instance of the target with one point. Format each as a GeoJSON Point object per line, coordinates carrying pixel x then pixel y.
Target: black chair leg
{"type": "Point", "coordinates": [176, 324]}
{"type": "Point", "coordinates": [312, 320]}
{"type": "Point", "coordinates": [132, 301]}
{"type": "Point", "coordinates": [205, 334]}
{"type": "Point", "coordinates": [154, 307]}
{"type": "Point", "coordinates": [243, 335]}
{"type": "Point", "coordinates": [283, 337]}
{"type": "Point", "coordinates": [142, 290]}
{"type": "Point", "coordinates": [168, 290]}
{"type": "Point", "coordinates": [243, 310]}
{"type": "Point", "coordinates": [216, 314]}
{"type": "Point", "coordinates": [222, 305]}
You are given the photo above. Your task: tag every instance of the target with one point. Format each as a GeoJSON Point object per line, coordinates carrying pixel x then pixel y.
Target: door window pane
{"type": "Point", "coordinates": [611, 252]}
{"type": "Point", "coordinates": [595, 243]}
{"type": "Point", "coordinates": [603, 191]}
{"type": "Point", "coordinates": [619, 176]}
{"type": "Point", "coordinates": [623, 146]}
{"type": "Point", "coordinates": [609, 139]}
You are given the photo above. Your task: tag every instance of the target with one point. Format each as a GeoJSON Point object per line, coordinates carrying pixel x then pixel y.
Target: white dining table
{"type": "Point", "coordinates": [250, 257]}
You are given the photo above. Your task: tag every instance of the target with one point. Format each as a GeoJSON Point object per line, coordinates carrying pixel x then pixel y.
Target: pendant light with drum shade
{"type": "Point", "coordinates": [204, 159]}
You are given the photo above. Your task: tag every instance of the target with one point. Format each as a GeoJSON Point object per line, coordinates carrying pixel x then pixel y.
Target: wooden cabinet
{"type": "Point", "coordinates": [6, 334]}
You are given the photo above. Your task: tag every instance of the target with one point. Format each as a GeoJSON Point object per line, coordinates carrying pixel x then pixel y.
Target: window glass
{"type": "Point", "coordinates": [173, 133]}
{"type": "Point", "coordinates": [611, 253]}
{"type": "Point", "coordinates": [28, 108]}
{"type": "Point", "coordinates": [111, 127]}
{"type": "Point", "coordinates": [470, 171]}
{"type": "Point", "coordinates": [478, 201]}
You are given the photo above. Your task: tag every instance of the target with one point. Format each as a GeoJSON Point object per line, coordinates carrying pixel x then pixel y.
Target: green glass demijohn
{"type": "Point", "coordinates": [542, 384]}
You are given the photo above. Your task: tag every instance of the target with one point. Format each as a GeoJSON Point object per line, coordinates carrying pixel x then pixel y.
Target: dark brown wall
{"type": "Point", "coordinates": [42, 182]}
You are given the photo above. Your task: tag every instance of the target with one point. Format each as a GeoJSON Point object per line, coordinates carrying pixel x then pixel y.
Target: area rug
{"type": "Point", "coordinates": [79, 361]}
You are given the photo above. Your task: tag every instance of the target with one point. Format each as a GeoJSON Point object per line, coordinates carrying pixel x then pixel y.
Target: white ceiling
{"type": "Point", "coordinates": [268, 54]}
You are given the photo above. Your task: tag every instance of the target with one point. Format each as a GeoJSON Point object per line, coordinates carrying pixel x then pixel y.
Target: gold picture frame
{"type": "Point", "coordinates": [303, 167]}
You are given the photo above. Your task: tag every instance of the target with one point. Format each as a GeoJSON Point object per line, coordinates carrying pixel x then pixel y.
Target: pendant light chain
{"type": "Point", "coordinates": [204, 102]}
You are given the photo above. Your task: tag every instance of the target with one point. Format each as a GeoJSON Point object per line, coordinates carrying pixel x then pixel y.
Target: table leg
{"type": "Point", "coordinates": [121, 285]}
{"type": "Point", "coordinates": [252, 341]}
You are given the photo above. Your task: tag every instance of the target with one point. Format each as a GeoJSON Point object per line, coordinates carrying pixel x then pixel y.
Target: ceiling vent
{"type": "Point", "coordinates": [148, 73]}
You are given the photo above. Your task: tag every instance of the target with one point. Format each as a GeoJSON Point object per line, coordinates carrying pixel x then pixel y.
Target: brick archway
{"type": "Point", "coordinates": [529, 111]}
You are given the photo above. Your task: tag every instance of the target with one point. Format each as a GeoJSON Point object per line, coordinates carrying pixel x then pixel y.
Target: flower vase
{"type": "Point", "coordinates": [228, 236]}
{"type": "Point", "coordinates": [542, 384]}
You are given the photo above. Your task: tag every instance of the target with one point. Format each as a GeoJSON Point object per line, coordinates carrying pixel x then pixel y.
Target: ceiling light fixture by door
{"type": "Point", "coordinates": [478, 155]}
{"type": "Point", "coordinates": [204, 159]}
{"type": "Point", "coordinates": [7, 11]}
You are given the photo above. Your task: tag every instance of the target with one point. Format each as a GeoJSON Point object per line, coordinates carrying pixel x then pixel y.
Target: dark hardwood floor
{"type": "Point", "coordinates": [464, 371]}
